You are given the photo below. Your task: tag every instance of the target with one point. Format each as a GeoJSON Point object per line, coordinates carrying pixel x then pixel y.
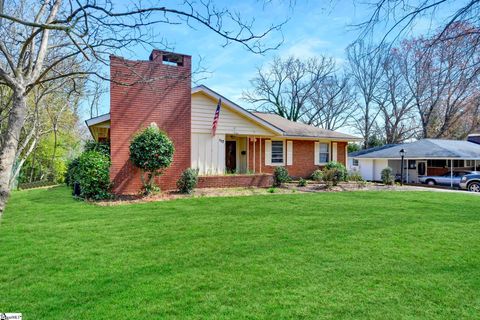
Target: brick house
{"type": "Point", "coordinates": [244, 151]}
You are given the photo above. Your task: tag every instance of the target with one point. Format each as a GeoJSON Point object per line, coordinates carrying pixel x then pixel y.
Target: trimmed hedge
{"type": "Point", "coordinates": [93, 174]}
{"type": "Point", "coordinates": [280, 176]}
{"type": "Point", "coordinates": [188, 181]}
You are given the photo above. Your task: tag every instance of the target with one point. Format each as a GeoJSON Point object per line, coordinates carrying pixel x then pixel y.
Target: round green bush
{"type": "Point", "coordinates": [152, 151]}
{"type": "Point", "coordinates": [340, 168]}
{"type": "Point", "coordinates": [302, 182]}
{"type": "Point", "coordinates": [331, 176]}
{"type": "Point", "coordinates": [387, 176]}
{"type": "Point", "coordinates": [93, 174]}
{"type": "Point", "coordinates": [354, 176]}
{"type": "Point", "coordinates": [317, 175]}
{"type": "Point", "coordinates": [280, 176]}
{"type": "Point", "coordinates": [188, 181]}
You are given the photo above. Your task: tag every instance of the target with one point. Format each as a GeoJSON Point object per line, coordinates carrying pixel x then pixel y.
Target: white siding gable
{"type": "Point", "coordinates": [230, 122]}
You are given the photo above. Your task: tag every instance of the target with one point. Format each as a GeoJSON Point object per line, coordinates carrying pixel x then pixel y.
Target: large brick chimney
{"type": "Point", "coordinates": [474, 137]}
{"type": "Point", "coordinates": [142, 92]}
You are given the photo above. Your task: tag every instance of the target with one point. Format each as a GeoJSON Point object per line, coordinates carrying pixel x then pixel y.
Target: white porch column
{"type": "Point", "coordinates": [406, 161]}
{"type": "Point", "coordinates": [451, 173]}
{"type": "Point", "coordinates": [254, 158]}
{"type": "Point", "coordinates": [248, 153]}
{"type": "Point", "coordinates": [260, 151]}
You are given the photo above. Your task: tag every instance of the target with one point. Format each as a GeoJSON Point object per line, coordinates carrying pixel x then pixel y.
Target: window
{"type": "Point", "coordinates": [437, 163]}
{"type": "Point", "coordinates": [355, 162]}
{"type": "Point", "coordinates": [469, 163]}
{"type": "Point", "coordinates": [277, 152]}
{"type": "Point", "coordinates": [412, 164]}
{"type": "Point", "coordinates": [458, 163]}
{"type": "Point", "coordinates": [324, 155]}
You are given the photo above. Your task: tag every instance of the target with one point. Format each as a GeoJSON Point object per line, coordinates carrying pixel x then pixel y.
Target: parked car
{"type": "Point", "coordinates": [471, 182]}
{"type": "Point", "coordinates": [445, 179]}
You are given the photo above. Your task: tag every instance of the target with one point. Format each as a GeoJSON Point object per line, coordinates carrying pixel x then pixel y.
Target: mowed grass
{"type": "Point", "coordinates": [375, 255]}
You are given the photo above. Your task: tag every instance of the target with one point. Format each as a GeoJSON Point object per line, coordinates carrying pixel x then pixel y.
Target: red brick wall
{"type": "Point", "coordinates": [303, 157]}
{"type": "Point", "coordinates": [164, 99]}
{"type": "Point", "coordinates": [253, 180]}
{"type": "Point", "coordinates": [437, 171]}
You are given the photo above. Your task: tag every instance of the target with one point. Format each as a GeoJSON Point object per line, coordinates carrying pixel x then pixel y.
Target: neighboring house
{"type": "Point", "coordinates": [422, 157]}
{"type": "Point", "coordinates": [353, 163]}
{"type": "Point", "coordinates": [249, 144]}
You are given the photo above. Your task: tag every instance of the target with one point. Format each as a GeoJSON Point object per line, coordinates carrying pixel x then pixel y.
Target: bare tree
{"type": "Point", "coordinates": [443, 78]}
{"type": "Point", "coordinates": [285, 87]}
{"type": "Point", "coordinates": [396, 18]}
{"type": "Point", "coordinates": [395, 101]}
{"type": "Point", "coordinates": [332, 103]}
{"type": "Point", "coordinates": [366, 69]}
{"type": "Point", "coordinates": [39, 36]}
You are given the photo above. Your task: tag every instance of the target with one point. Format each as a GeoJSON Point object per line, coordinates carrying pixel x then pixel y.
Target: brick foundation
{"type": "Point", "coordinates": [247, 180]}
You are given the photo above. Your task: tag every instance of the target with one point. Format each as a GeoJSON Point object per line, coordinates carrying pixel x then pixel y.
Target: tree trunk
{"type": "Point", "coordinates": [9, 147]}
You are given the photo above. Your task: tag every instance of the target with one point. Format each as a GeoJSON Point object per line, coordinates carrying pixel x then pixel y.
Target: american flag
{"type": "Point", "coordinates": [215, 118]}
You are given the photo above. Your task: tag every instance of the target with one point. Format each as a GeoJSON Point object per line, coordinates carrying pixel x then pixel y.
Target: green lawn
{"type": "Point", "coordinates": [381, 255]}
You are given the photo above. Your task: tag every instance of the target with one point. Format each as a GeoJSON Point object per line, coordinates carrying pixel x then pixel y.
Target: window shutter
{"type": "Point", "coordinates": [268, 152]}
{"type": "Point", "coordinates": [289, 153]}
{"type": "Point", "coordinates": [317, 153]}
{"type": "Point", "coordinates": [334, 152]}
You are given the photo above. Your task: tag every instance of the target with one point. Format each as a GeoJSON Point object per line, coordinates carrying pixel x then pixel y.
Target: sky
{"type": "Point", "coordinates": [314, 27]}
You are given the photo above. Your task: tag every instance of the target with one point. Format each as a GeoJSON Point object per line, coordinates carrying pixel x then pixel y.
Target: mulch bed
{"type": "Point", "coordinates": [288, 188]}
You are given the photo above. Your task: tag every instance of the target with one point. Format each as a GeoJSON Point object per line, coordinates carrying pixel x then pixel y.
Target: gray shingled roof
{"type": "Point", "coordinates": [428, 149]}
{"type": "Point", "coordinates": [364, 151]}
{"type": "Point", "coordinates": [297, 129]}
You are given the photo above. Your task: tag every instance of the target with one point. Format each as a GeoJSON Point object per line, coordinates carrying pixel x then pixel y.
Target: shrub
{"type": "Point", "coordinates": [317, 175]}
{"type": "Point", "coordinates": [71, 173]}
{"type": "Point", "coordinates": [387, 176]}
{"type": "Point", "coordinates": [271, 190]}
{"type": "Point", "coordinates": [302, 182]}
{"type": "Point", "coordinates": [93, 174]}
{"type": "Point", "coordinates": [331, 176]}
{"type": "Point", "coordinates": [188, 181]}
{"type": "Point", "coordinates": [152, 151]}
{"type": "Point", "coordinates": [280, 176]}
{"type": "Point", "coordinates": [101, 146]}
{"type": "Point", "coordinates": [340, 168]}
{"type": "Point", "coordinates": [354, 176]}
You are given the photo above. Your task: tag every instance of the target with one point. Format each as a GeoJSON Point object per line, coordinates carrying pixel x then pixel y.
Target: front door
{"type": "Point", "coordinates": [231, 156]}
{"type": "Point", "coordinates": [421, 168]}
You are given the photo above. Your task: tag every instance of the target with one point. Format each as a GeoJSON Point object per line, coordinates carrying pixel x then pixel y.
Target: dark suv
{"type": "Point", "coordinates": [471, 182]}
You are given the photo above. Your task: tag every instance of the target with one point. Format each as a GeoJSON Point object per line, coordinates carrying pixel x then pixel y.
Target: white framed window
{"type": "Point", "coordinates": [324, 152]}
{"type": "Point", "coordinates": [277, 152]}
{"type": "Point", "coordinates": [355, 162]}
{"type": "Point", "coordinates": [469, 163]}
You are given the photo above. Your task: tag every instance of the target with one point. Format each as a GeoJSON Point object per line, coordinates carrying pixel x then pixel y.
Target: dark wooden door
{"type": "Point", "coordinates": [231, 156]}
